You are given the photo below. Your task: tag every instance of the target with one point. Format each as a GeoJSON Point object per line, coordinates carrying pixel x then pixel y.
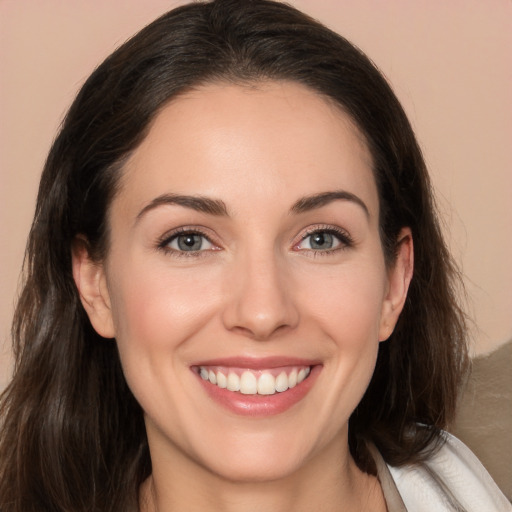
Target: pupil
{"type": "Point", "coordinates": [189, 242]}
{"type": "Point", "coordinates": [321, 241]}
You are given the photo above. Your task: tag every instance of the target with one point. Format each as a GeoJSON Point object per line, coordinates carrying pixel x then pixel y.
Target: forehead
{"type": "Point", "coordinates": [231, 141]}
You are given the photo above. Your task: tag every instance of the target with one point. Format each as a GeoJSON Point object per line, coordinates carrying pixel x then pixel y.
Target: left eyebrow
{"type": "Point", "coordinates": [315, 201]}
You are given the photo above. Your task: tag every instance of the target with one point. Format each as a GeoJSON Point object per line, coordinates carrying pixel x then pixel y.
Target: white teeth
{"type": "Point", "coordinates": [292, 379]}
{"type": "Point", "coordinates": [255, 382]}
{"type": "Point", "coordinates": [233, 382]}
{"type": "Point", "coordinates": [266, 384]}
{"type": "Point", "coordinates": [282, 382]}
{"type": "Point", "coordinates": [248, 384]}
{"type": "Point", "coordinates": [222, 380]}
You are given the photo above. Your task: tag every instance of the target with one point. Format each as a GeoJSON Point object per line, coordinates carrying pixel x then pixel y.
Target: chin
{"type": "Point", "coordinates": [257, 466]}
{"type": "Point", "coordinates": [261, 456]}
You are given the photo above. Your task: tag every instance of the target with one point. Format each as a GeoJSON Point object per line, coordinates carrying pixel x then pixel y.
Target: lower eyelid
{"type": "Point", "coordinates": [344, 240]}
{"type": "Point", "coordinates": [165, 241]}
{"type": "Point", "coordinates": [175, 238]}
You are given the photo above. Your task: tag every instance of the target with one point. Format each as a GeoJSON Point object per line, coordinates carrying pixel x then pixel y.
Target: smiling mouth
{"type": "Point", "coordinates": [254, 382]}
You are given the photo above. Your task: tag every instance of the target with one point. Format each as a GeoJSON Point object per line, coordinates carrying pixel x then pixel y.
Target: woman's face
{"type": "Point", "coordinates": [245, 259]}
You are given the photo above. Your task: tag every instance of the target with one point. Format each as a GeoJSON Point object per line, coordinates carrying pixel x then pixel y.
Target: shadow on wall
{"type": "Point", "coordinates": [484, 417]}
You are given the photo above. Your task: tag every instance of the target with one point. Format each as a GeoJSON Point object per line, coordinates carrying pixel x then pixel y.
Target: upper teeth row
{"type": "Point", "coordinates": [249, 383]}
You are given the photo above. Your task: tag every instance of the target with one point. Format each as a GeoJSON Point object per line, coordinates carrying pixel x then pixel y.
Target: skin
{"type": "Point", "coordinates": [256, 290]}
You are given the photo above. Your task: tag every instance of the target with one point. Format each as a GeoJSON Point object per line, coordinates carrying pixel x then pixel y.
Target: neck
{"type": "Point", "coordinates": [331, 482]}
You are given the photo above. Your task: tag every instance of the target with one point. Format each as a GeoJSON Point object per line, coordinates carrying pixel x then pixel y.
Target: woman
{"type": "Point", "coordinates": [220, 310]}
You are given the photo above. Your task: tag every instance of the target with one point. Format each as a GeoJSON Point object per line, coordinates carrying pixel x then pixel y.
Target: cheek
{"type": "Point", "coordinates": [157, 308]}
{"type": "Point", "coordinates": [343, 308]}
{"type": "Point", "coordinates": [156, 311]}
{"type": "Point", "coordinates": [348, 302]}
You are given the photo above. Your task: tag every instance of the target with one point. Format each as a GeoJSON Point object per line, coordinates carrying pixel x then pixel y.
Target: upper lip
{"type": "Point", "coordinates": [257, 363]}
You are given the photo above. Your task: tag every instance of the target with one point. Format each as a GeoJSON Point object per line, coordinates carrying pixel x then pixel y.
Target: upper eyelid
{"type": "Point", "coordinates": [170, 235]}
{"type": "Point", "coordinates": [345, 239]}
{"type": "Point", "coordinates": [345, 236]}
{"type": "Point", "coordinates": [331, 229]}
{"type": "Point", "coordinates": [310, 230]}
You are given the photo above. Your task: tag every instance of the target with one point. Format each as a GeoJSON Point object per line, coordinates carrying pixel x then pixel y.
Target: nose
{"type": "Point", "coordinates": [260, 300]}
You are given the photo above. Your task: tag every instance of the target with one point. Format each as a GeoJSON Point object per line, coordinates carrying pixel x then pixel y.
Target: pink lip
{"type": "Point", "coordinates": [259, 405]}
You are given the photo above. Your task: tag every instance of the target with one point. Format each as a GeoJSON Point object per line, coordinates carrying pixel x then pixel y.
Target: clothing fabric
{"type": "Point", "coordinates": [452, 480]}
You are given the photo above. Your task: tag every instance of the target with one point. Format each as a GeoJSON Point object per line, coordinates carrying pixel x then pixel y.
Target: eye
{"type": "Point", "coordinates": [324, 240]}
{"type": "Point", "coordinates": [188, 242]}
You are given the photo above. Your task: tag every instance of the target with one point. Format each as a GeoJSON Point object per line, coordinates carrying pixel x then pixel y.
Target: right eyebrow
{"type": "Point", "coordinates": [199, 203]}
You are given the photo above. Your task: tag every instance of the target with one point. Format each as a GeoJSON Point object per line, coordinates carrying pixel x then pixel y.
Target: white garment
{"type": "Point", "coordinates": [451, 480]}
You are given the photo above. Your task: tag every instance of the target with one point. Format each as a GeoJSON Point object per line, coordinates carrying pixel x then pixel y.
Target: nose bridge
{"type": "Point", "coordinates": [260, 299]}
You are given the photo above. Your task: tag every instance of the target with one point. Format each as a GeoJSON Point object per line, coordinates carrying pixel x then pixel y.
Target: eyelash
{"type": "Point", "coordinates": [345, 241]}
{"type": "Point", "coordinates": [164, 242]}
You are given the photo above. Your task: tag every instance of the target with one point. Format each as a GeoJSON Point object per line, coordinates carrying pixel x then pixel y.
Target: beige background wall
{"type": "Point", "coordinates": [449, 62]}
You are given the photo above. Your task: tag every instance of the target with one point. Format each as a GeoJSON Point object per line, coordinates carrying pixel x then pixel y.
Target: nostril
{"type": "Point", "coordinates": [259, 333]}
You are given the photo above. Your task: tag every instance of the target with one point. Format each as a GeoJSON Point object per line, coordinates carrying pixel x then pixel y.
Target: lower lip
{"type": "Point", "coordinates": [261, 405]}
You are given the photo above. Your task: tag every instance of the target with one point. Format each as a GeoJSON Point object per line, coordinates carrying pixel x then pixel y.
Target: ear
{"type": "Point", "coordinates": [91, 282]}
{"type": "Point", "coordinates": [399, 278]}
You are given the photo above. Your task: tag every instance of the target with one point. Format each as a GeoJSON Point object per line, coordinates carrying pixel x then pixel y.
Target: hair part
{"type": "Point", "coordinates": [73, 435]}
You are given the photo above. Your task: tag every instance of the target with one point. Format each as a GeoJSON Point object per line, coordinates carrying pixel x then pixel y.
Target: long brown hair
{"type": "Point", "coordinates": [72, 435]}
